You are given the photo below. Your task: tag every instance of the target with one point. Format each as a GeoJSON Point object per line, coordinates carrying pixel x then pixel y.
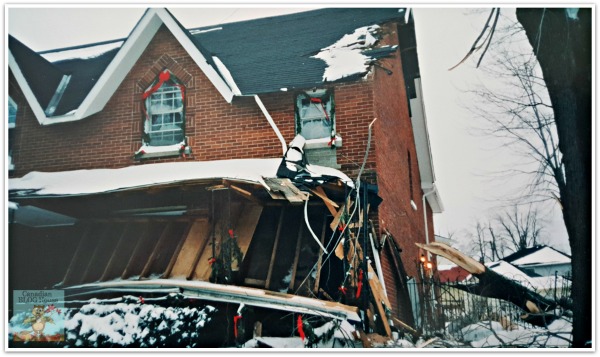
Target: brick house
{"type": "Point", "coordinates": [193, 99]}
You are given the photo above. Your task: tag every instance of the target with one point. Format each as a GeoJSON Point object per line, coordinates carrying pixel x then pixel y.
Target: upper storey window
{"type": "Point", "coordinates": [315, 114]}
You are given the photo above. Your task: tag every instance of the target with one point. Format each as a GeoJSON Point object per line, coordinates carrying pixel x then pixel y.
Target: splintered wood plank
{"type": "Point", "coordinates": [194, 243]}
{"type": "Point", "coordinates": [157, 247]}
{"type": "Point", "coordinates": [274, 250]}
{"type": "Point", "coordinates": [118, 250]}
{"type": "Point", "coordinates": [331, 205]}
{"type": "Point", "coordinates": [105, 242]}
{"type": "Point", "coordinates": [139, 247]}
{"type": "Point", "coordinates": [246, 226]}
{"type": "Point", "coordinates": [287, 188]}
{"type": "Point", "coordinates": [379, 297]}
{"type": "Point", "coordinates": [336, 218]}
{"type": "Point", "coordinates": [296, 257]}
{"type": "Point", "coordinates": [77, 256]}
{"type": "Point", "coordinates": [320, 260]}
{"type": "Point", "coordinates": [124, 250]}
{"type": "Point", "coordinates": [175, 254]}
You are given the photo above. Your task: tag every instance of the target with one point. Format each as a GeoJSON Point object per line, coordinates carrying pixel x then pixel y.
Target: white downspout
{"type": "Point", "coordinates": [272, 123]}
{"type": "Point", "coordinates": [425, 218]}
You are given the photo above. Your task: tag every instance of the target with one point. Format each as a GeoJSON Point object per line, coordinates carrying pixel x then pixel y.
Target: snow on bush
{"type": "Point", "coordinates": [98, 324]}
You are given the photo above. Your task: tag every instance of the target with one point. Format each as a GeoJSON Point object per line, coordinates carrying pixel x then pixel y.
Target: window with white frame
{"type": "Point", "coordinates": [315, 114]}
{"type": "Point", "coordinates": [165, 124]}
{"type": "Point", "coordinates": [12, 113]}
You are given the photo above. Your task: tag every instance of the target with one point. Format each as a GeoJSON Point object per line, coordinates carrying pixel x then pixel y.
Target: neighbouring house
{"type": "Point", "coordinates": [227, 164]}
{"type": "Point", "coordinates": [541, 260]}
{"type": "Point", "coordinates": [542, 269]}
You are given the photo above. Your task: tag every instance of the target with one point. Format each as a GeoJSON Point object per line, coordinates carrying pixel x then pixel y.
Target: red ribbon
{"type": "Point", "coordinates": [162, 78]}
{"type": "Point", "coordinates": [359, 284]}
{"type": "Point", "coordinates": [235, 321]}
{"type": "Point", "coordinates": [342, 289]}
{"type": "Point", "coordinates": [231, 233]}
{"type": "Point", "coordinates": [141, 300]}
{"type": "Point", "coordinates": [211, 261]}
{"type": "Point", "coordinates": [300, 328]}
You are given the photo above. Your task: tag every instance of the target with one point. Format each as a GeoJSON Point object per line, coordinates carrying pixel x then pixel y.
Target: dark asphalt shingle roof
{"type": "Point", "coordinates": [84, 74]}
{"type": "Point", "coordinates": [262, 55]}
{"type": "Point", "coordinates": [265, 55]}
{"type": "Point", "coordinates": [42, 76]}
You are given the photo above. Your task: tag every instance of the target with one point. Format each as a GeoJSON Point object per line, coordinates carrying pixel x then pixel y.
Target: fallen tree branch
{"type": "Point", "coordinates": [539, 311]}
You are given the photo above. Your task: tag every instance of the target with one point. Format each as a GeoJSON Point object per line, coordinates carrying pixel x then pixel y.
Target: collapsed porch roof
{"type": "Point", "coordinates": [226, 293]}
{"type": "Point", "coordinates": [95, 181]}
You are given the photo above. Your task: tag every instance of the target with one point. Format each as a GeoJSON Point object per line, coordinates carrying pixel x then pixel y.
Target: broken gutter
{"type": "Point", "coordinates": [223, 293]}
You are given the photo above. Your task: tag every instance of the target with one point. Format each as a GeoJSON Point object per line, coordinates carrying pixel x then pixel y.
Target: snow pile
{"type": "Point", "coordinates": [332, 334]}
{"type": "Point", "coordinates": [81, 53]}
{"type": "Point", "coordinates": [490, 334]}
{"type": "Point", "coordinates": [135, 324]}
{"type": "Point", "coordinates": [345, 58]}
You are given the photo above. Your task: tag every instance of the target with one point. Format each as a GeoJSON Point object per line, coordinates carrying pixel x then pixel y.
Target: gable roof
{"type": "Point", "coordinates": [89, 94]}
{"type": "Point", "coordinates": [268, 54]}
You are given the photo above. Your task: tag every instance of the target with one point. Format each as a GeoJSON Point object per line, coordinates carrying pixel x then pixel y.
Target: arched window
{"type": "Point", "coordinates": [164, 117]}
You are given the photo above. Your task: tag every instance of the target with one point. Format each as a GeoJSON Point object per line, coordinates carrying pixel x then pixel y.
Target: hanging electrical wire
{"type": "Point", "coordinates": [356, 205]}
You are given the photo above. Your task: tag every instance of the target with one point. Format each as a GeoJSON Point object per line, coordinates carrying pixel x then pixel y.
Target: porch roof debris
{"type": "Point", "coordinates": [94, 181]}
{"type": "Point", "coordinates": [226, 293]}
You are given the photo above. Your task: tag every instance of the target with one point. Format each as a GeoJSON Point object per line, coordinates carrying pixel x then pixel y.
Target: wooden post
{"type": "Point", "coordinates": [274, 252]}
{"type": "Point", "coordinates": [296, 257]}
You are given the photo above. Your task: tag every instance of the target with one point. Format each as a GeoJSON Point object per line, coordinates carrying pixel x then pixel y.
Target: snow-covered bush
{"type": "Point", "coordinates": [135, 324]}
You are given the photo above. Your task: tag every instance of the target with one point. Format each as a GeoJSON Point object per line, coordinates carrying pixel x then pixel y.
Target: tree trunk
{"type": "Point", "coordinates": [563, 45]}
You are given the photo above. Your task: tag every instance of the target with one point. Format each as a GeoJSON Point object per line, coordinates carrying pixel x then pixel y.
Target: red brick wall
{"type": "Point", "coordinates": [215, 128]}
{"type": "Point", "coordinates": [394, 137]}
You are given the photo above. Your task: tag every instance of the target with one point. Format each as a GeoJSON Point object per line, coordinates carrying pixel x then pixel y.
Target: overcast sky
{"type": "Point", "coordinates": [463, 162]}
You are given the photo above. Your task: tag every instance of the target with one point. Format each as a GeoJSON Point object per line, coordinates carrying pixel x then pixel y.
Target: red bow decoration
{"type": "Point", "coordinates": [141, 300]}
{"type": "Point", "coordinates": [211, 261]}
{"type": "Point", "coordinates": [231, 233]}
{"type": "Point", "coordinates": [300, 328]}
{"type": "Point", "coordinates": [235, 328]}
{"type": "Point", "coordinates": [162, 78]}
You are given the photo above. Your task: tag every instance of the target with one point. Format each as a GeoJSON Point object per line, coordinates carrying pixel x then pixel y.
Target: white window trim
{"type": "Point", "coordinates": [148, 128]}
{"type": "Point", "coordinates": [318, 142]}
{"type": "Point", "coordinates": [11, 101]}
{"type": "Point", "coordinates": [322, 143]}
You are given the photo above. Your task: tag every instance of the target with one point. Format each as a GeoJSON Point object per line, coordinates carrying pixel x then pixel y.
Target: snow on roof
{"type": "Point", "coordinates": [81, 52]}
{"type": "Point", "coordinates": [199, 31]}
{"type": "Point", "coordinates": [83, 182]}
{"type": "Point", "coordinates": [345, 58]}
{"type": "Point", "coordinates": [512, 272]}
{"type": "Point", "coordinates": [543, 256]}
